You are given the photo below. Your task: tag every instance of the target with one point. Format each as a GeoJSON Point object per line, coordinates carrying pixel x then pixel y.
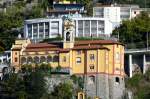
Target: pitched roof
{"type": "Point", "coordinates": [16, 48]}
{"type": "Point", "coordinates": [41, 49]}
{"type": "Point", "coordinates": [85, 42]}
{"type": "Point", "coordinates": [89, 47]}
{"type": "Point", "coordinates": [41, 45]}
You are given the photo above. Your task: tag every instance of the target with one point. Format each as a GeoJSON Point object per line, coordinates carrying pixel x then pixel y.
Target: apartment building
{"type": "Point", "coordinates": [117, 13]}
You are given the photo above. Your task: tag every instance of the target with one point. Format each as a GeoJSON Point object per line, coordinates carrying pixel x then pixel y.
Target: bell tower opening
{"type": "Point", "coordinates": [68, 36]}
{"type": "Point", "coordinates": [69, 33]}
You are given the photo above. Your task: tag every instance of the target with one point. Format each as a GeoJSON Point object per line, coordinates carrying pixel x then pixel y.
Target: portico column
{"type": "Point", "coordinates": [144, 64]}
{"type": "Point", "coordinates": [77, 32]}
{"type": "Point", "coordinates": [38, 32]}
{"type": "Point", "coordinates": [130, 66]}
{"type": "Point", "coordinates": [44, 30]}
{"type": "Point", "coordinates": [90, 28]}
{"type": "Point", "coordinates": [83, 28]}
{"type": "Point", "coordinates": [49, 29]}
{"type": "Point", "coordinates": [32, 31]}
{"type": "Point", "coordinates": [97, 29]}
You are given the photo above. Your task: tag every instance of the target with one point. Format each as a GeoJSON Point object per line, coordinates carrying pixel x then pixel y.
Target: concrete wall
{"type": "Point", "coordinates": [105, 87]}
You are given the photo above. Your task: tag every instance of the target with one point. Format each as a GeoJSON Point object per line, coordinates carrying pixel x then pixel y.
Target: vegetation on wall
{"type": "Point", "coordinates": [140, 85]}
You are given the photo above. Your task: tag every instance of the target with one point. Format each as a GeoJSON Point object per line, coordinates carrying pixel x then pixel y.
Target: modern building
{"type": "Point", "coordinates": [62, 8]}
{"type": "Point", "coordinates": [92, 26]}
{"type": "Point", "coordinates": [39, 29]}
{"type": "Point", "coordinates": [5, 57]}
{"type": "Point", "coordinates": [117, 13]}
{"type": "Point", "coordinates": [99, 62]}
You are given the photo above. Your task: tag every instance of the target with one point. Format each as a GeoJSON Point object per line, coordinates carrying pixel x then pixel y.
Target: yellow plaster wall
{"type": "Point", "coordinates": [63, 63]}
{"type": "Point", "coordinates": [78, 67]}
{"type": "Point", "coordinates": [102, 68]}
{"type": "Point", "coordinates": [15, 54]}
{"type": "Point", "coordinates": [91, 62]}
{"type": "Point", "coordinates": [111, 58]}
{"type": "Point", "coordinates": [115, 65]}
{"type": "Point", "coordinates": [68, 45]}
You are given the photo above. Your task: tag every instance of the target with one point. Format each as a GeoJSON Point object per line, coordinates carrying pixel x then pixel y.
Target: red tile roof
{"type": "Point", "coordinates": [41, 49]}
{"type": "Point", "coordinates": [41, 45]}
{"type": "Point", "coordinates": [16, 48]}
{"type": "Point", "coordinates": [89, 47]}
{"type": "Point", "coordinates": [85, 42]}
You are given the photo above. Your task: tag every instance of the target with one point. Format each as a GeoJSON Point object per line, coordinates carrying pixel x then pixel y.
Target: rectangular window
{"type": "Point", "coordinates": [29, 30]}
{"type": "Point", "coordinates": [64, 59]}
{"type": "Point", "coordinates": [87, 28]}
{"type": "Point", "coordinates": [92, 66]}
{"type": "Point", "coordinates": [78, 52]}
{"type": "Point", "coordinates": [16, 59]}
{"type": "Point", "coordinates": [92, 57]}
{"type": "Point", "coordinates": [78, 60]}
{"type": "Point", "coordinates": [46, 29]}
{"type": "Point", "coordinates": [117, 80]}
{"type": "Point", "coordinates": [117, 56]}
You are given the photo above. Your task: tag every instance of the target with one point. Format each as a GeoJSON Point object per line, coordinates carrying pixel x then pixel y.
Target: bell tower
{"type": "Point", "coordinates": [69, 33]}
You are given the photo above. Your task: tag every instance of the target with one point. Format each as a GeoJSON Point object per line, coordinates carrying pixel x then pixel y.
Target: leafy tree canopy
{"type": "Point", "coordinates": [141, 3]}
{"type": "Point", "coordinates": [134, 31]}
{"type": "Point", "coordinates": [139, 85]}
{"type": "Point", "coordinates": [12, 20]}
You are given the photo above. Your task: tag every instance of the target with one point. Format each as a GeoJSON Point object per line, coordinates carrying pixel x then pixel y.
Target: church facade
{"type": "Point", "coordinates": [99, 62]}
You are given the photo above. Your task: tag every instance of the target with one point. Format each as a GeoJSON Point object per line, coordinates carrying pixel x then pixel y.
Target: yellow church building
{"type": "Point", "coordinates": [100, 62]}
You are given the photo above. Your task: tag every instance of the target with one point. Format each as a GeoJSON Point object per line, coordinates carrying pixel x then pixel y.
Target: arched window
{"type": "Point", "coordinates": [55, 58]}
{"type": "Point", "coordinates": [36, 59]}
{"type": "Point", "coordinates": [117, 80]}
{"type": "Point", "coordinates": [91, 79]}
{"type": "Point", "coordinates": [49, 59]}
{"type": "Point", "coordinates": [29, 60]}
{"type": "Point", "coordinates": [23, 60]}
{"type": "Point", "coordinates": [81, 96]}
{"type": "Point", "coordinates": [67, 36]}
{"type": "Point", "coordinates": [42, 59]}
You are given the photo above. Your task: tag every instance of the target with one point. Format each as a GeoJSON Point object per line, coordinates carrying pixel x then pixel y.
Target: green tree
{"type": "Point", "coordinates": [12, 21]}
{"type": "Point", "coordinates": [62, 91]}
{"type": "Point", "coordinates": [141, 3]}
{"type": "Point", "coordinates": [12, 87]}
{"type": "Point", "coordinates": [139, 85]}
{"type": "Point", "coordinates": [44, 4]}
{"type": "Point", "coordinates": [134, 31]}
{"type": "Point", "coordinates": [35, 85]}
{"type": "Point", "coordinates": [88, 4]}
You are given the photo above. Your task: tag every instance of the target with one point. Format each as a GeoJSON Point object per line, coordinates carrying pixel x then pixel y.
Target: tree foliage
{"type": "Point", "coordinates": [62, 91]}
{"type": "Point", "coordinates": [134, 31]}
{"type": "Point", "coordinates": [12, 20]}
{"type": "Point", "coordinates": [141, 3]}
{"type": "Point", "coordinates": [88, 4]}
{"type": "Point", "coordinates": [30, 83]}
{"type": "Point", "coordinates": [23, 85]}
{"type": "Point", "coordinates": [139, 85]}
